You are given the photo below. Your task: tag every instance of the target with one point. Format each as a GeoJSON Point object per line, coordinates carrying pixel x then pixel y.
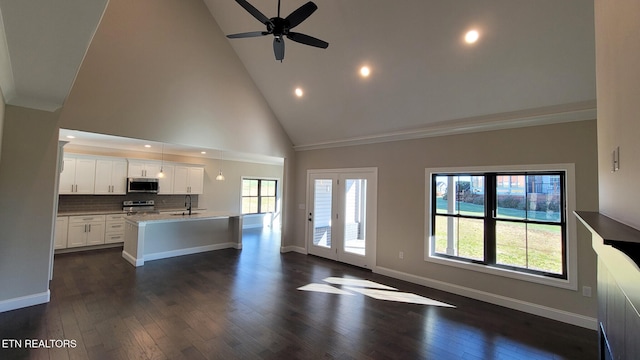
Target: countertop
{"type": "Point", "coordinates": [115, 212]}
{"type": "Point", "coordinates": [177, 216]}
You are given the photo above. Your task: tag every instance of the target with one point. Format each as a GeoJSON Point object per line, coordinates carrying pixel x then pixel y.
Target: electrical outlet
{"type": "Point", "coordinates": [586, 291]}
{"type": "Point", "coordinates": [401, 255]}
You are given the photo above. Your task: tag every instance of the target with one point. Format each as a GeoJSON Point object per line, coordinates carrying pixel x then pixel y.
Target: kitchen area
{"type": "Point", "coordinates": [153, 205]}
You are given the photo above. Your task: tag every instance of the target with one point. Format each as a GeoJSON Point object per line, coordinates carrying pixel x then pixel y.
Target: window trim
{"type": "Point", "coordinates": [571, 233]}
{"type": "Point", "coordinates": [260, 179]}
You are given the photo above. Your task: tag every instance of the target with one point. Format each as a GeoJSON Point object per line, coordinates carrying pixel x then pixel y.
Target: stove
{"type": "Point", "coordinates": [132, 207]}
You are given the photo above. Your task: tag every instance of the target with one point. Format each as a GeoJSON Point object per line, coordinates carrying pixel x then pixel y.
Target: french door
{"type": "Point", "coordinates": [341, 214]}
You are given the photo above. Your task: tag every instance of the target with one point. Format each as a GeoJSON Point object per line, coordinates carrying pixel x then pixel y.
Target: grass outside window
{"type": "Point", "coordinates": [521, 228]}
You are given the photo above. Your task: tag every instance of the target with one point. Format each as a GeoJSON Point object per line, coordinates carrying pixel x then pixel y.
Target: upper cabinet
{"type": "Point", "coordinates": [165, 186]}
{"type": "Point", "coordinates": [188, 180]}
{"type": "Point", "coordinates": [111, 177]}
{"type": "Point", "coordinates": [78, 175]}
{"type": "Point", "coordinates": [103, 175]}
{"type": "Point", "coordinates": [143, 169]}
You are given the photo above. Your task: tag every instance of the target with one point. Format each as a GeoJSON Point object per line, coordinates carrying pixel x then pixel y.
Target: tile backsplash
{"type": "Point", "coordinates": [75, 203]}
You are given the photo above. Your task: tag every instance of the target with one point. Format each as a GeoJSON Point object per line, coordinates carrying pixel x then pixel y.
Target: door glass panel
{"type": "Point", "coordinates": [323, 194]}
{"type": "Point", "coordinates": [355, 216]}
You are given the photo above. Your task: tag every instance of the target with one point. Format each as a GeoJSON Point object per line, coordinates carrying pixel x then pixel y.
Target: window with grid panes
{"type": "Point", "coordinates": [258, 196]}
{"type": "Point", "coordinates": [510, 220]}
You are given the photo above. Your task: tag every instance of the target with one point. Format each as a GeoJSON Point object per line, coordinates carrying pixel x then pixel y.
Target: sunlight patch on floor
{"type": "Point", "coordinates": [371, 289]}
{"type": "Point", "coordinates": [398, 296]}
{"type": "Point", "coordinates": [357, 282]}
{"type": "Point", "coordinates": [324, 288]}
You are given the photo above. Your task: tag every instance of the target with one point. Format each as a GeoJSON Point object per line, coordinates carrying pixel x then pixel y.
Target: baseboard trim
{"type": "Point", "coordinates": [190, 251]}
{"type": "Point", "coordinates": [511, 303]}
{"type": "Point", "coordinates": [131, 259]}
{"type": "Point", "coordinates": [25, 301]}
{"type": "Point", "coordinates": [298, 249]}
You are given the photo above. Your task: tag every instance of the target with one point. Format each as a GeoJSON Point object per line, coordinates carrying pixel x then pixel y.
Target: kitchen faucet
{"type": "Point", "coordinates": [187, 200]}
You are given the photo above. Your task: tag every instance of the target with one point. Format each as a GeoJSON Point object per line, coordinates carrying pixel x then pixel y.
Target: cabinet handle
{"type": "Point", "coordinates": [89, 227]}
{"type": "Point", "coordinates": [71, 187]}
{"type": "Point", "coordinates": [85, 227]}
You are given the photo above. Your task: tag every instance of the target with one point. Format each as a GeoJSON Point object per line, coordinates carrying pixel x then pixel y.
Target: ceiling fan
{"type": "Point", "coordinates": [280, 27]}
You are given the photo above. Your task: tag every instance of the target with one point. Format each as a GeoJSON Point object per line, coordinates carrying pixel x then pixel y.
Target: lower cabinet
{"type": "Point", "coordinates": [86, 230]}
{"type": "Point", "coordinates": [114, 232]}
{"type": "Point", "coordinates": [62, 225]}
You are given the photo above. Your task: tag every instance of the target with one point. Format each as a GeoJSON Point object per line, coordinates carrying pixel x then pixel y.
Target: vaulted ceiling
{"type": "Point", "coordinates": [534, 62]}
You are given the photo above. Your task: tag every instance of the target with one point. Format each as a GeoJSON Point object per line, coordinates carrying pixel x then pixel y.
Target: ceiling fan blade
{"type": "Point", "coordinates": [247, 34]}
{"type": "Point", "coordinates": [301, 14]}
{"type": "Point", "coordinates": [307, 40]}
{"type": "Point", "coordinates": [253, 11]}
{"type": "Point", "coordinates": [278, 48]}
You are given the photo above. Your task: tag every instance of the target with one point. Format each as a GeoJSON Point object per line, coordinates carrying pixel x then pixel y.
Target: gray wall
{"type": "Point", "coordinates": [27, 193]}
{"type": "Point", "coordinates": [401, 192]}
{"type": "Point", "coordinates": [2, 106]}
{"type": "Point", "coordinates": [164, 71]}
{"type": "Point", "coordinates": [618, 90]}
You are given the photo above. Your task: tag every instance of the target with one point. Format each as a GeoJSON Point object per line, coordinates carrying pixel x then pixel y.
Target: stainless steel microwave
{"type": "Point", "coordinates": [142, 185]}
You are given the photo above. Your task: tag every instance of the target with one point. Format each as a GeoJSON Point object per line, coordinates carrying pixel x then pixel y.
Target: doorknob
{"type": "Point", "coordinates": [310, 217]}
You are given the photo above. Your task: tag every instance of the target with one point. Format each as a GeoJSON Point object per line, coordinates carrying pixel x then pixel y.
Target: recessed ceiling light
{"type": "Point", "coordinates": [147, 146]}
{"type": "Point", "coordinates": [203, 152]}
{"type": "Point", "coordinates": [70, 137]}
{"type": "Point", "coordinates": [299, 92]}
{"type": "Point", "coordinates": [471, 36]}
{"type": "Point", "coordinates": [365, 71]}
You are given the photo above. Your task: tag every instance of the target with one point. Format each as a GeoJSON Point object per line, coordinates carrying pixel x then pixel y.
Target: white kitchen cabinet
{"type": "Point", "coordinates": [111, 177]}
{"type": "Point", "coordinates": [62, 224]}
{"type": "Point", "coordinates": [188, 180]}
{"type": "Point", "coordinates": [165, 185]}
{"type": "Point", "coordinates": [114, 229]}
{"type": "Point", "coordinates": [78, 175]}
{"type": "Point", "coordinates": [86, 230]}
{"type": "Point", "coordinates": [143, 169]}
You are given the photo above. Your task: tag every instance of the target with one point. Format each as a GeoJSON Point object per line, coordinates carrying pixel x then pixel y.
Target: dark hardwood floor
{"type": "Point", "coordinates": [245, 304]}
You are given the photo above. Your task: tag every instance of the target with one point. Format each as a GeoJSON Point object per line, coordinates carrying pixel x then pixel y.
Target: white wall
{"type": "Point", "coordinates": [401, 205]}
{"type": "Point", "coordinates": [618, 90]}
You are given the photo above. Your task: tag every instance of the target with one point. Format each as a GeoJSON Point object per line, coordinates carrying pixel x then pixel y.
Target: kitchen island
{"type": "Point", "coordinates": [158, 236]}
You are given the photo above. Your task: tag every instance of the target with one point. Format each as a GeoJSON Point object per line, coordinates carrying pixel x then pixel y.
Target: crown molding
{"type": "Point", "coordinates": [533, 117]}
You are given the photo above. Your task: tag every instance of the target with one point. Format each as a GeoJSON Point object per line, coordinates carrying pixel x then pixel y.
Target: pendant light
{"type": "Point", "coordinates": [161, 173]}
{"type": "Point", "coordinates": [220, 177]}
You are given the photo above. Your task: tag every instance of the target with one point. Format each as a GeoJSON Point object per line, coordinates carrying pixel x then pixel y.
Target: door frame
{"type": "Point", "coordinates": [369, 260]}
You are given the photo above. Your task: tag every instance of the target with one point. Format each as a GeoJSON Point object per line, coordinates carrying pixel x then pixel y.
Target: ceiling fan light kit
{"type": "Point", "coordinates": [281, 27]}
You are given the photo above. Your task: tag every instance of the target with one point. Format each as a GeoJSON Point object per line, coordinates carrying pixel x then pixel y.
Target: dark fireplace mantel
{"type": "Point", "coordinates": [618, 235]}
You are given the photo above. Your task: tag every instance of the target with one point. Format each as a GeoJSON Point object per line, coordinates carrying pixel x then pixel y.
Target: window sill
{"type": "Point", "coordinates": [538, 279]}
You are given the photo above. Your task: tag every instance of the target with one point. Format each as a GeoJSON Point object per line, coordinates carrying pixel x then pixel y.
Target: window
{"type": "Point", "coordinates": [258, 196]}
{"type": "Point", "coordinates": [506, 222]}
